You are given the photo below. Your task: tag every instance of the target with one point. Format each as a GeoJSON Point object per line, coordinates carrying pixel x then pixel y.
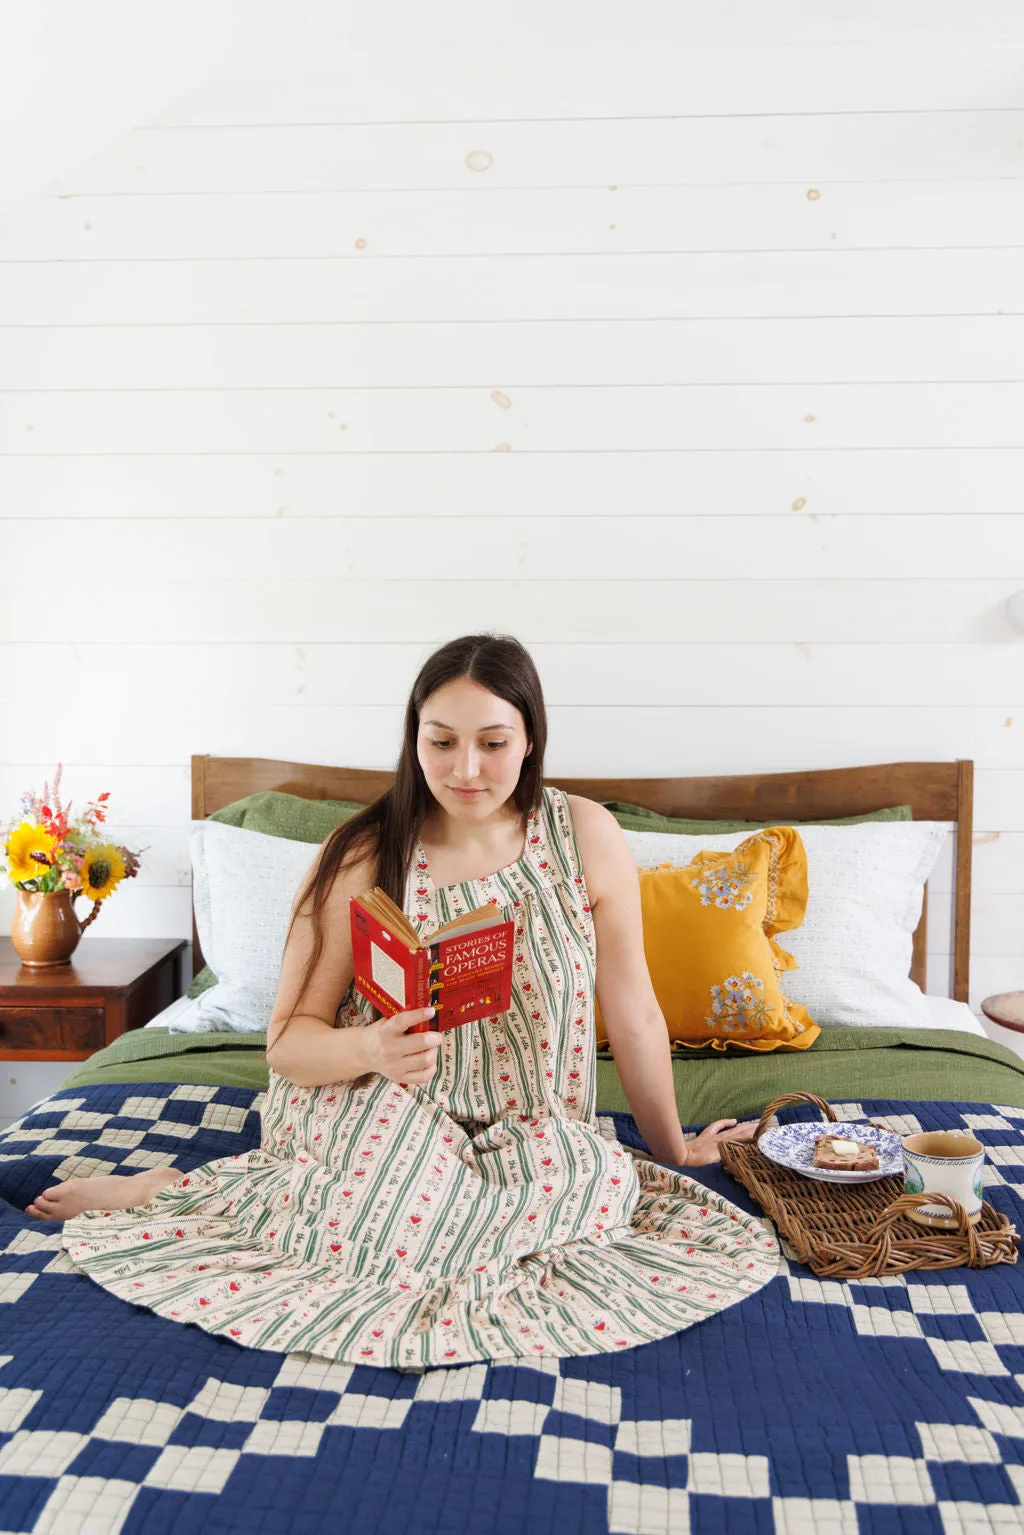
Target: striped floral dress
{"type": "Point", "coordinates": [488, 1214]}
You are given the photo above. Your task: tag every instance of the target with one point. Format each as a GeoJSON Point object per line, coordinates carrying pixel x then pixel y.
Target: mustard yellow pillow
{"type": "Point", "coordinates": [709, 943]}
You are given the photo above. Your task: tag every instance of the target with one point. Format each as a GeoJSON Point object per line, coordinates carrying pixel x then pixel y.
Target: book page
{"type": "Point", "coordinates": [389, 915]}
{"type": "Point", "coordinates": [388, 975]}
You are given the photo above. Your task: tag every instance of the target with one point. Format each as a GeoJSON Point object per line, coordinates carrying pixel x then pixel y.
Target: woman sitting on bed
{"type": "Point", "coordinates": [425, 1199]}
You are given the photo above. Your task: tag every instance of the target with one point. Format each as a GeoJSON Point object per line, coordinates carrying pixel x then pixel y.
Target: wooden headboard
{"type": "Point", "coordinates": [936, 791]}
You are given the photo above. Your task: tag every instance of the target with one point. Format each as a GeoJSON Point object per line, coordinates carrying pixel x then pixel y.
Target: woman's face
{"type": "Point", "coordinates": [470, 739]}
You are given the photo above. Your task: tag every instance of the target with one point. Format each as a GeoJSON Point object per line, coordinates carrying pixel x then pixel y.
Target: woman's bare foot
{"type": "Point", "coordinates": [114, 1193]}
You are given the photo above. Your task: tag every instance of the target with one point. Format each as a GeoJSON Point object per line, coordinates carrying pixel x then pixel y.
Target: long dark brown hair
{"type": "Point", "coordinates": [386, 830]}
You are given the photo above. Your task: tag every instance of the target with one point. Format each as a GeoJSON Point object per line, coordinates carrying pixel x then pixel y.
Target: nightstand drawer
{"type": "Point", "coordinates": [52, 1028]}
{"type": "Point", "coordinates": [68, 1012]}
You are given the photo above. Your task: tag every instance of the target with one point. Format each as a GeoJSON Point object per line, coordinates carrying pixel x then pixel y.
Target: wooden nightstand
{"type": "Point", "coordinates": [66, 1012]}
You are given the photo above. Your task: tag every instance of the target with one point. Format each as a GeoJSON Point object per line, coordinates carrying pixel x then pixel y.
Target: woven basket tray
{"type": "Point", "coordinates": [858, 1231]}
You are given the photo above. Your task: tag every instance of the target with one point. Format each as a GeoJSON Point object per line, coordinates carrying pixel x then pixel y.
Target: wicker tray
{"type": "Point", "coordinates": [857, 1231]}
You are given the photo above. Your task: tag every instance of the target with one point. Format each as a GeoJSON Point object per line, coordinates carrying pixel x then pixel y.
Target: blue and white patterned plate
{"type": "Point", "coordinates": [793, 1146]}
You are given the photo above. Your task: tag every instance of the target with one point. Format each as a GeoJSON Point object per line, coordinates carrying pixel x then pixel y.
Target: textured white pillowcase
{"type": "Point", "coordinates": [865, 889]}
{"type": "Point", "coordinates": [243, 886]}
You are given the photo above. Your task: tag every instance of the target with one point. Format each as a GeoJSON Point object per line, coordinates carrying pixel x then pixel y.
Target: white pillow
{"type": "Point", "coordinates": [865, 889]}
{"type": "Point", "coordinates": [243, 886]}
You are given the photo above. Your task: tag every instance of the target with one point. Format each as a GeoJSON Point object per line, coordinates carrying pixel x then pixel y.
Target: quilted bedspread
{"type": "Point", "coordinates": [813, 1406]}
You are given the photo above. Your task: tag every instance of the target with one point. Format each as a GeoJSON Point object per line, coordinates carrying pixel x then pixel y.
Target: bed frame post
{"type": "Point", "coordinates": [962, 894]}
{"type": "Point", "coordinates": [198, 814]}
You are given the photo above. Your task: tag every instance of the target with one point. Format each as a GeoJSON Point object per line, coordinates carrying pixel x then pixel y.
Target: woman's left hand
{"type": "Point", "coordinates": [703, 1149]}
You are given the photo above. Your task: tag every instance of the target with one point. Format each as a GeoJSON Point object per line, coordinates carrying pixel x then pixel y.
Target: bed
{"type": "Point", "coordinates": [813, 1406]}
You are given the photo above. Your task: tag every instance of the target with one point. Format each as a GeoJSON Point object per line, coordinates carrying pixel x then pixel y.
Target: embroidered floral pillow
{"type": "Point", "coordinates": [709, 941]}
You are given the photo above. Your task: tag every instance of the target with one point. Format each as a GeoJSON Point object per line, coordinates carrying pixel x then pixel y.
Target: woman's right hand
{"type": "Point", "coordinates": [405, 1058]}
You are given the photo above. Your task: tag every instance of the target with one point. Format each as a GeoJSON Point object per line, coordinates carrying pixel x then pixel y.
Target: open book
{"type": "Point", "coordinates": [464, 969]}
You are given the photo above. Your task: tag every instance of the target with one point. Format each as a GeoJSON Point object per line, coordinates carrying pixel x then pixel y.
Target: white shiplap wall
{"type": "Point", "coordinates": [693, 356]}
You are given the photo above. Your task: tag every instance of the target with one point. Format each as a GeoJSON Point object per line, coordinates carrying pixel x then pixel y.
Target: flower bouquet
{"type": "Point", "coordinates": [52, 859]}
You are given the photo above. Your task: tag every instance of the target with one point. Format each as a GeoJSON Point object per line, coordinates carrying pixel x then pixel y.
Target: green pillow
{"type": "Point", "coordinates": [638, 818]}
{"type": "Point", "coordinates": [279, 815]}
{"type": "Point", "coordinates": [203, 981]}
{"type": "Point", "coordinates": [287, 815]}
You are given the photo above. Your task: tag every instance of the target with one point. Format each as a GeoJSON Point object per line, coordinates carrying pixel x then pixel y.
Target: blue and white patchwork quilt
{"type": "Point", "coordinates": [811, 1408]}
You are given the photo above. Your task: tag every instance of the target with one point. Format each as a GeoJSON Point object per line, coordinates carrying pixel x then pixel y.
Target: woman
{"type": "Point", "coordinates": [428, 1199]}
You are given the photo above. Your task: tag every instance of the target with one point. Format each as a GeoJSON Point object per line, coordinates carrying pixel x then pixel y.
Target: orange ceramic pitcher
{"type": "Point", "coordinates": [45, 930]}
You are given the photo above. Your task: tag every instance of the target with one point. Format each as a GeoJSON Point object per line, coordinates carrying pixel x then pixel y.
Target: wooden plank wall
{"type": "Point", "coordinates": [687, 348]}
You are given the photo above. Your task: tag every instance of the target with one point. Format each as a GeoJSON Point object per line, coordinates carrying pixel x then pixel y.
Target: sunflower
{"type": "Point", "coordinates": [102, 871]}
{"type": "Point", "coordinates": [25, 840]}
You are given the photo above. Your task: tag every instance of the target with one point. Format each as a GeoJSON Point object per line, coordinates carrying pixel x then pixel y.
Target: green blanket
{"type": "Point", "coordinates": [843, 1064]}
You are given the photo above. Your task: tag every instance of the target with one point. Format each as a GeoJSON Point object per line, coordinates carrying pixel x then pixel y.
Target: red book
{"type": "Point", "coordinates": [464, 969]}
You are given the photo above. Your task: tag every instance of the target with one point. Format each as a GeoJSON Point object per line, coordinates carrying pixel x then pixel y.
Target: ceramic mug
{"type": "Point", "coordinates": [944, 1162]}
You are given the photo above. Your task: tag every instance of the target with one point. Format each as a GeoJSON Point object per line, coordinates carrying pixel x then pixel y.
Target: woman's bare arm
{"type": "Point", "coordinates": [629, 1007]}
{"type": "Point", "coordinates": [311, 1051]}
